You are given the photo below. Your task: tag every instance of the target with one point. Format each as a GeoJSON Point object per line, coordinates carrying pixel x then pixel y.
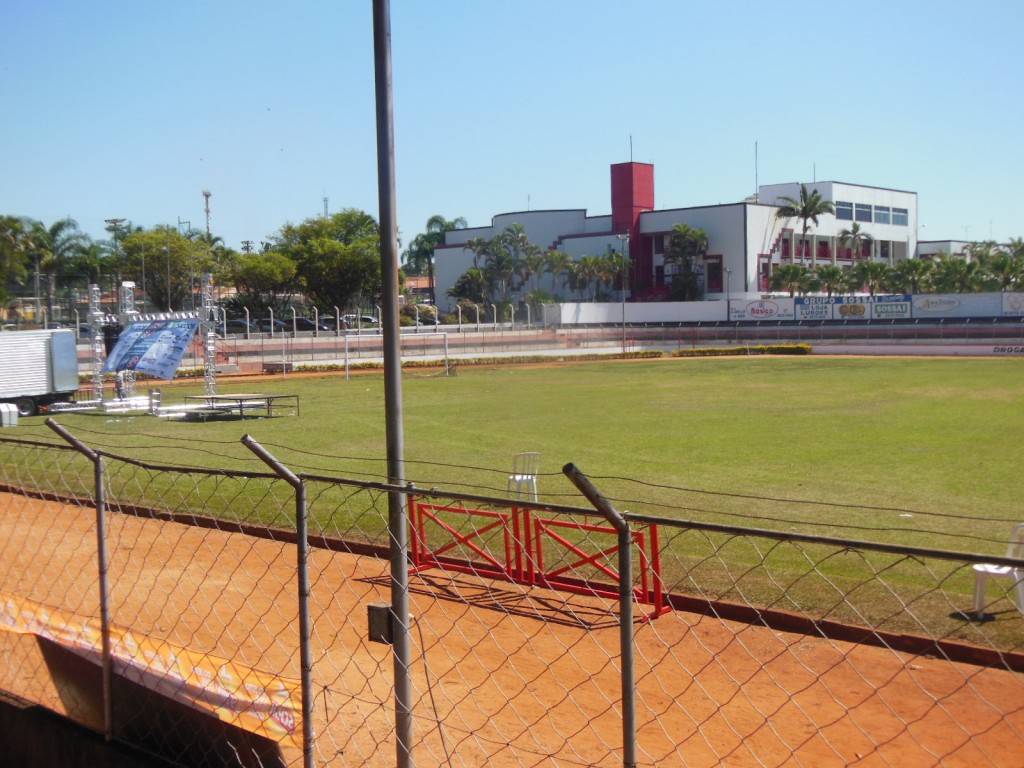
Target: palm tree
{"type": "Point", "coordinates": [586, 273]}
{"type": "Point", "coordinates": [419, 256]}
{"type": "Point", "coordinates": [807, 208]}
{"type": "Point", "coordinates": [789, 277]}
{"type": "Point", "coordinates": [873, 275]}
{"type": "Point", "coordinates": [533, 265]}
{"type": "Point", "coordinates": [687, 246]}
{"type": "Point", "coordinates": [13, 232]}
{"type": "Point", "coordinates": [956, 275]}
{"type": "Point", "coordinates": [856, 239]}
{"type": "Point", "coordinates": [481, 248]}
{"type": "Point", "coordinates": [472, 285]}
{"type": "Point", "coordinates": [830, 278]}
{"type": "Point", "coordinates": [558, 264]}
{"type": "Point", "coordinates": [1004, 271]}
{"type": "Point", "coordinates": [912, 276]}
{"type": "Point", "coordinates": [54, 248]}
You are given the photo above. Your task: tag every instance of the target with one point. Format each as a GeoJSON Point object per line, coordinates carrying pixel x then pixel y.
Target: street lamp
{"type": "Point", "coordinates": [115, 225]}
{"type": "Point", "coordinates": [167, 255]}
{"type": "Point", "coordinates": [624, 240]}
{"type": "Point", "coordinates": [728, 293]}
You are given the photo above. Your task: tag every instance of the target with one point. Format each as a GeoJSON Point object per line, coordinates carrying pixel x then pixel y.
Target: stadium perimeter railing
{"type": "Point", "coordinates": [304, 349]}
{"type": "Point", "coordinates": [250, 598]}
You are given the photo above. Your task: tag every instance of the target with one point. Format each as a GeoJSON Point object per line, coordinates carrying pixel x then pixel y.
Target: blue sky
{"type": "Point", "coordinates": [131, 109]}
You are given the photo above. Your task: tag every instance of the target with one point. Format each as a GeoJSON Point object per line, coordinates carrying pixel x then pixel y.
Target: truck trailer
{"type": "Point", "coordinates": [37, 368]}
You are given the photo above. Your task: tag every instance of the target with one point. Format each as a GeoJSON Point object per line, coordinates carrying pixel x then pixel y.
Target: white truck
{"type": "Point", "coordinates": [37, 368]}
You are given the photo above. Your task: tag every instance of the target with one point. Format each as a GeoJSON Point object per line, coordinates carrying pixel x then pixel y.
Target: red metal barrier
{"type": "Point", "coordinates": [523, 538]}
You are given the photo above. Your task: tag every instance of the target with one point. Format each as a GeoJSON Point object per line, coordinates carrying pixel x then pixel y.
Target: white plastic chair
{"type": "Point", "coordinates": [985, 571]}
{"type": "Point", "coordinates": [522, 483]}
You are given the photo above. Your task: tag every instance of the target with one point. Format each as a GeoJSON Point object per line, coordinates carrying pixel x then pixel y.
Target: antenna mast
{"type": "Point", "coordinates": [206, 197]}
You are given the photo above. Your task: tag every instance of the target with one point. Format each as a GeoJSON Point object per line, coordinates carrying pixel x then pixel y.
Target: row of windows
{"type": "Point", "coordinates": [879, 214]}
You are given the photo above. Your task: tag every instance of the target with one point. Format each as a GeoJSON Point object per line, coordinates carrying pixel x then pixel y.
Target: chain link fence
{"type": "Point", "coordinates": [221, 617]}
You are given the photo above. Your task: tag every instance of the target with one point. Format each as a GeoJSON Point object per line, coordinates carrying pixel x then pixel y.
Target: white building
{"type": "Point", "coordinates": [746, 240]}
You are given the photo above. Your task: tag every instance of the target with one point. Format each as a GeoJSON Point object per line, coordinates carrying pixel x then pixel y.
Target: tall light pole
{"type": "Point", "coordinates": [624, 240]}
{"type": "Point", "coordinates": [728, 293]}
{"type": "Point", "coordinates": [167, 255]}
{"type": "Point", "coordinates": [145, 296]}
{"type": "Point", "coordinates": [187, 233]}
{"type": "Point", "coordinates": [115, 225]}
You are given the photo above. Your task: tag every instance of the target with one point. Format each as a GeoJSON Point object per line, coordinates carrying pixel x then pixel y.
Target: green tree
{"type": "Point", "coordinates": [418, 258]}
{"type": "Point", "coordinates": [87, 263]}
{"type": "Point", "coordinates": [687, 246]}
{"type": "Point", "coordinates": [481, 249]}
{"type": "Point", "coordinates": [471, 286]}
{"type": "Point", "coordinates": [171, 264]}
{"type": "Point", "coordinates": [337, 258]}
{"type": "Point", "coordinates": [56, 245]}
{"type": "Point", "coordinates": [808, 208]}
{"type": "Point", "coordinates": [558, 265]}
{"type": "Point", "coordinates": [789, 277]}
{"type": "Point", "coordinates": [872, 275]}
{"type": "Point", "coordinates": [13, 252]}
{"type": "Point", "coordinates": [954, 274]}
{"type": "Point", "coordinates": [855, 239]}
{"type": "Point", "coordinates": [262, 281]}
{"type": "Point", "coordinates": [831, 278]}
{"type": "Point", "coordinates": [911, 276]}
{"type": "Point", "coordinates": [1003, 270]}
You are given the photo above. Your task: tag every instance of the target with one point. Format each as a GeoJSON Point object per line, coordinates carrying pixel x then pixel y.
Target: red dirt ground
{"type": "Point", "coordinates": [516, 676]}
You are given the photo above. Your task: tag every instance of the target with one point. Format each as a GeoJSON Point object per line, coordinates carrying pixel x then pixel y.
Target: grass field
{"type": "Point", "coordinates": [936, 438]}
{"type": "Point", "coordinates": [922, 452]}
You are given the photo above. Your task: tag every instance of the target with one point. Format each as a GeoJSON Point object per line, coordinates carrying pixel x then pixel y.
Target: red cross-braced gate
{"type": "Point", "coordinates": [518, 545]}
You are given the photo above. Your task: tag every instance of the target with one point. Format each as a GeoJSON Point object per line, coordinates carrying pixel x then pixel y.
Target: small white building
{"type": "Point", "coordinates": [746, 239]}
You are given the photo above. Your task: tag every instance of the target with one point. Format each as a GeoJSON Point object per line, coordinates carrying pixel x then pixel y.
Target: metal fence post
{"type": "Point", "coordinates": [103, 566]}
{"type": "Point", "coordinates": [305, 625]}
{"type": "Point", "coordinates": [602, 505]}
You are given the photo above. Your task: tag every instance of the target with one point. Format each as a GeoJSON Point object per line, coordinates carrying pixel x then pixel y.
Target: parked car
{"type": "Point", "coordinates": [279, 326]}
{"type": "Point", "coordinates": [355, 321]}
{"type": "Point", "coordinates": [307, 324]}
{"type": "Point", "coordinates": [237, 325]}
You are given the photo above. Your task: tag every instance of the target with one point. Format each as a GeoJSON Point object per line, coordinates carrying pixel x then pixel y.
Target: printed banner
{"type": "Point", "coordinates": [255, 701]}
{"type": "Point", "coordinates": [888, 307]}
{"type": "Point", "coordinates": [764, 309]}
{"type": "Point", "coordinates": [1013, 304]}
{"type": "Point", "coordinates": [154, 347]}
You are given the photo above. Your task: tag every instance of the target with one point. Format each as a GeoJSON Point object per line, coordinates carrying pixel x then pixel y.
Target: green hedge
{"type": "Point", "coordinates": [760, 349]}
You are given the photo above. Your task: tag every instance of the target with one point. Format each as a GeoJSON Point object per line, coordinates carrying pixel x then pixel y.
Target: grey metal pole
{"type": "Point", "coordinates": [302, 563]}
{"type": "Point", "coordinates": [602, 505]}
{"type": "Point", "coordinates": [103, 567]}
{"type": "Point", "coordinates": [397, 500]}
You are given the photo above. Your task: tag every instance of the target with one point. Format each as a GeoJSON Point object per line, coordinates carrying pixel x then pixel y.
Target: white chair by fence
{"type": "Point", "coordinates": [522, 483]}
{"type": "Point", "coordinates": [985, 571]}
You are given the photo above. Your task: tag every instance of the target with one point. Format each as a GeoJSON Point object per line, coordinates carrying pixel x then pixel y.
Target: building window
{"type": "Point", "coordinates": [863, 212]}
{"type": "Point", "coordinates": [881, 214]}
{"type": "Point", "coordinates": [844, 211]}
{"type": "Point", "coordinates": [659, 244]}
{"type": "Point", "coordinates": [900, 217]}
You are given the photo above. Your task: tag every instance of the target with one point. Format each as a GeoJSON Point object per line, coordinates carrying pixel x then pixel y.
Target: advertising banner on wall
{"type": "Point", "coordinates": [853, 307]}
{"type": "Point", "coordinates": [1013, 304]}
{"type": "Point", "coordinates": [814, 307]}
{"type": "Point", "coordinates": [958, 305]}
{"type": "Point", "coordinates": [762, 309]}
{"type": "Point", "coordinates": [152, 346]}
{"type": "Point", "coordinates": [257, 701]}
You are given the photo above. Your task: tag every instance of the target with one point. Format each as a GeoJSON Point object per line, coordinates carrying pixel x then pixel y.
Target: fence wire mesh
{"type": "Point", "coordinates": [750, 647]}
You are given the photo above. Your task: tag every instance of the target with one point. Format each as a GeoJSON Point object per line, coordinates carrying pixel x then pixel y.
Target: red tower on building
{"type": "Point", "coordinates": [632, 194]}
